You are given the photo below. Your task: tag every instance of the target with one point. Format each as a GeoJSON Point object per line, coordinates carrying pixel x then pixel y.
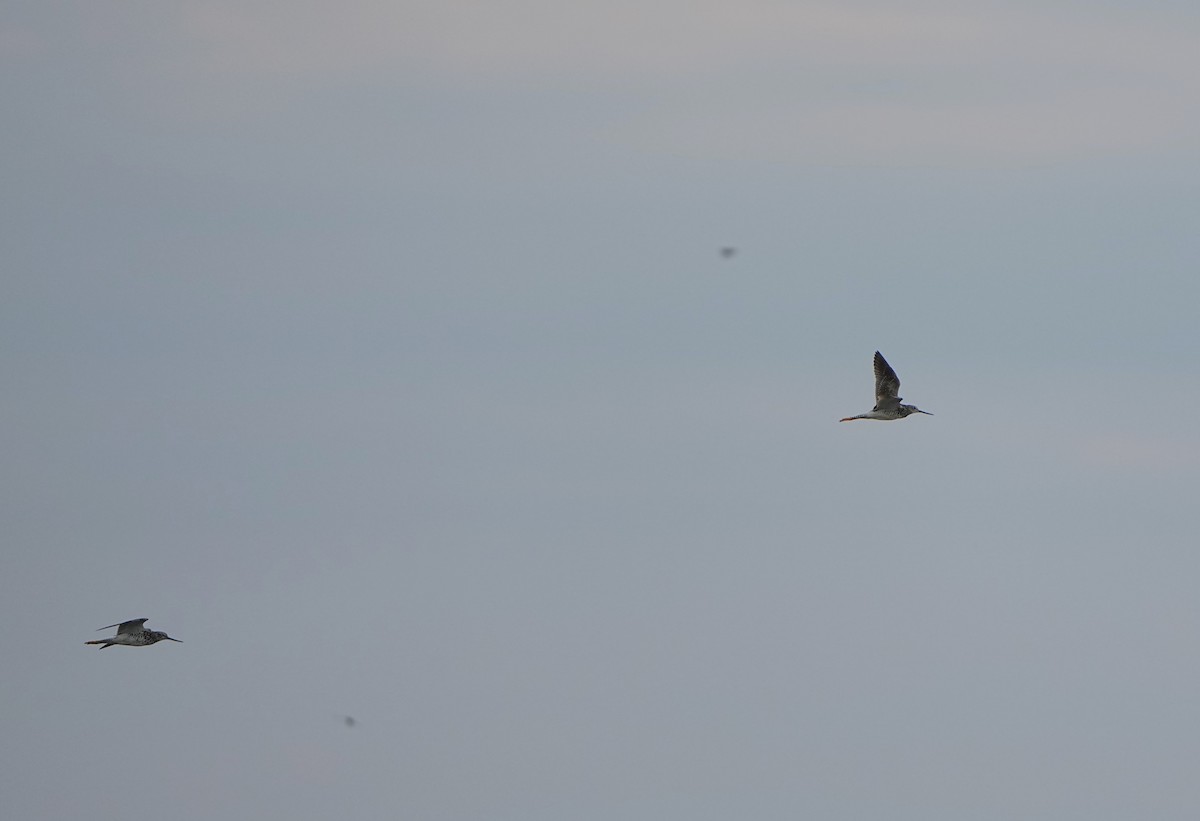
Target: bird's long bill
{"type": "Point", "coordinates": [927, 413]}
{"type": "Point", "coordinates": [168, 638]}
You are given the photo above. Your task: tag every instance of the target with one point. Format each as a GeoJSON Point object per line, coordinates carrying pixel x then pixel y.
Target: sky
{"type": "Point", "coordinates": [384, 354]}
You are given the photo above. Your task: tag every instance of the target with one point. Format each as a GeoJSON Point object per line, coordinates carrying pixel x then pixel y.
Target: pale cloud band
{"type": "Point", "coordinates": [794, 83]}
{"type": "Point", "coordinates": [791, 82]}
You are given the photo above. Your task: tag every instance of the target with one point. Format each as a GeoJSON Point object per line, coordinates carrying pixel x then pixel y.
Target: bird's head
{"type": "Point", "coordinates": [158, 635]}
{"type": "Point", "coordinates": [911, 409]}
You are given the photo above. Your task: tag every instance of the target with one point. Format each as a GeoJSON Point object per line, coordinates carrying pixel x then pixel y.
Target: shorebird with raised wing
{"type": "Point", "coordinates": [887, 402]}
{"type": "Point", "coordinates": [132, 633]}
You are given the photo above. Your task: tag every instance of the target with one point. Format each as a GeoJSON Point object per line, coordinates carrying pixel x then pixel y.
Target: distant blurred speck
{"type": "Point", "coordinates": [728, 251]}
{"type": "Point", "coordinates": [349, 720]}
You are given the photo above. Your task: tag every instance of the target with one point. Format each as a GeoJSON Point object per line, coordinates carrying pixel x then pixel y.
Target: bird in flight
{"type": "Point", "coordinates": [132, 633]}
{"type": "Point", "coordinates": [887, 402]}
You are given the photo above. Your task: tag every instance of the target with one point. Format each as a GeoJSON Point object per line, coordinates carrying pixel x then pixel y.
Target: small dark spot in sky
{"type": "Point", "coordinates": [728, 251]}
{"type": "Point", "coordinates": [349, 721]}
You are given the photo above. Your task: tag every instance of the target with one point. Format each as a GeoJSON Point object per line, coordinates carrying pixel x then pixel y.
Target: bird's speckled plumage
{"type": "Point", "coordinates": [887, 398]}
{"type": "Point", "coordinates": [132, 633]}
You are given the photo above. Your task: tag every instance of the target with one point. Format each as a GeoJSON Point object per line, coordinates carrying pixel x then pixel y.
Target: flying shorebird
{"type": "Point", "coordinates": [887, 403]}
{"type": "Point", "coordinates": [133, 633]}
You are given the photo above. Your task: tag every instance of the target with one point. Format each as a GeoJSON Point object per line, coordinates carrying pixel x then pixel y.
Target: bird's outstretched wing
{"type": "Point", "coordinates": [887, 384]}
{"type": "Point", "coordinates": [132, 626]}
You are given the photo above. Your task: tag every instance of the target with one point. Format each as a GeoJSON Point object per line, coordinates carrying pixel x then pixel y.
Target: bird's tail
{"type": "Point", "coordinates": [102, 642]}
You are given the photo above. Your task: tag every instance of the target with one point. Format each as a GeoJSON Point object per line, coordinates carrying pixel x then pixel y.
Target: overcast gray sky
{"type": "Point", "coordinates": [384, 354]}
